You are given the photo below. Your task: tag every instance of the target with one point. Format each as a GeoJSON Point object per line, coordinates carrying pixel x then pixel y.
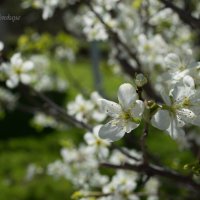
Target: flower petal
{"type": "Point", "coordinates": [188, 81]}
{"type": "Point", "coordinates": [165, 96]}
{"type": "Point", "coordinates": [12, 82]}
{"type": "Point", "coordinates": [111, 132]}
{"type": "Point", "coordinates": [138, 109]}
{"type": "Point", "coordinates": [16, 59]}
{"type": "Point", "coordinates": [186, 115]}
{"type": "Point", "coordinates": [161, 120]}
{"type": "Point", "coordinates": [130, 126]}
{"type": "Point", "coordinates": [127, 95]}
{"type": "Point", "coordinates": [172, 60]}
{"type": "Point", "coordinates": [25, 78]}
{"type": "Point", "coordinates": [111, 108]}
{"type": "Point", "coordinates": [27, 66]}
{"type": "Point", "coordinates": [173, 130]}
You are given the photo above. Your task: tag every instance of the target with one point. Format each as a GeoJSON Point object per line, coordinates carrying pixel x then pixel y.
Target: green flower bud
{"type": "Point", "coordinates": [140, 80]}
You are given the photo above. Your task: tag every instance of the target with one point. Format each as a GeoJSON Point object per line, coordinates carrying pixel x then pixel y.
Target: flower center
{"type": "Point", "coordinates": [126, 115]}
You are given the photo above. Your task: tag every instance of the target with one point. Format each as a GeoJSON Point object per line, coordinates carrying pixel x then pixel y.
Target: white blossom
{"type": "Point", "coordinates": [18, 71]}
{"type": "Point", "coordinates": [126, 115]}
{"type": "Point", "coordinates": [99, 145]}
{"type": "Point", "coordinates": [182, 107]}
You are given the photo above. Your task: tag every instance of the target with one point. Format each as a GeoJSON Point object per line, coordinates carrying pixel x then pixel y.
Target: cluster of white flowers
{"type": "Point", "coordinates": [144, 36]}
{"type": "Point", "coordinates": [41, 120]}
{"type": "Point", "coordinates": [80, 164]}
{"type": "Point", "coordinates": [64, 53]}
{"type": "Point", "coordinates": [181, 107]}
{"type": "Point", "coordinates": [29, 71]}
{"type": "Point", "coordinates": [86, 110]}
{"type": "Point", "coordinates": [150, 55]}
{"type": "Point", "coordinates": [93, 28]}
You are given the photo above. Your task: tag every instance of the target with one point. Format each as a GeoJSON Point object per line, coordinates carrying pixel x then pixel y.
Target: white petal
{"type": "Point", "coordinates": [98, 116]}
{"type": "Point", "coordinates": [25, 78]}
{"type": "Point", "coordinates": [111, 133]}
{"type": "Point", "coordinates": [180, 122]}
{"type": "Point", "coordinates": [188, 81]}
{"type": "Point", "coordinates": [138, 109]}
{"type": "Point", "coordinates": [127, 95]}
{"type": "Point", "coordinates": [96, 129]}
{"type": "Point", "coordinates": [79, 99]}
{"type": "Point", "coordinates": [111, 108]}
{"type": "Point", "coordinates": [130, 126]}
{"type": "Point", "coordinates": [173, 130]}
{"type": "Point", "coordinates": [165, 96]}
{"type": "Point", "coordinates": [89, 138]}
{"type": "Point", "coordinates": [16, 59]}
{"type": "Point", "coordinates": [12, 82]}
{"type": "Point", "coordinates": [186, 115]}
{"type": "Point", "coordinates": [179, 93]}
{"type": "Point", "coordinates": [196, 121]}
{"type": "Point", "coordinates": [27, 66]}
{"type": "Point", "coordinates": [161, 120]}
{"type": "Point", "coordinates": [172, 60]}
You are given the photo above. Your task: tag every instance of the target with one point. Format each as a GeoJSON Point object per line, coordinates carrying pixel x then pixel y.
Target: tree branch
{"type": "Point", "coordinates": [157, 171]}
{"type": "Point", "coordinates": [55, 110]}
{"type": "Point", "coordinates": [184, 15]}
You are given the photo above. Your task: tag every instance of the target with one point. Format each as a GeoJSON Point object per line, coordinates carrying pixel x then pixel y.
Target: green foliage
{"type": "Point", "coordinates": [137, 4]}
{"type": "Point", "coordinates": [16, 156]}
{"type": "Point", "coordinates": [31, 42]}
{"type": "Point", "coordinates": [167, 150]}
{"type": "Point", "coordinates": [193, 167]}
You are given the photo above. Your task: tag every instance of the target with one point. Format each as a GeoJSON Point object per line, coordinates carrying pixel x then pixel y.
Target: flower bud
{"type": "Point", "coordinates": [140, 80]}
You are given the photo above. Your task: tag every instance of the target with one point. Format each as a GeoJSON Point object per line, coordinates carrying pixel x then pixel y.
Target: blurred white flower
{"type": "Point", "coordinates": [99, 145]}
{"type": "Point", "coordinates": [151, 188]}
{"type": "Point", "coordinates": [119, 158]}
{"type": "Point", "coordinates": [80, 108]}
{"type": "Point", "coordinates": [43, 120]}
{"type": "Point", "coordinates": [18, 71]}
{"type": "Point", "coordinates": [32, 170]}
{"type": "Point", "coordinates": [1, 46]}
{"type": "Point", "coordinates": [86, 110]}
{"type": "Point", "coordinates": [122, 185]}
{"type": "Point", "coordinates": [97, 114]}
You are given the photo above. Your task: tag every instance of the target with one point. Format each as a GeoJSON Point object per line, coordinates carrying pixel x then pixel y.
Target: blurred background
{"type": "Point", "coordinates": [27, 147]}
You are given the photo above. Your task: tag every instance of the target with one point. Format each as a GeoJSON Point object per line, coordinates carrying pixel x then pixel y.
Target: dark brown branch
{"type": "Point", "coordinates": [126, 66]}
{"type": "Point", "coordinates": [54, 110]}
{"type": "Point", "coordinates": [157, 171]}
{"type": "Point", "coordinates": [125, 152]}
